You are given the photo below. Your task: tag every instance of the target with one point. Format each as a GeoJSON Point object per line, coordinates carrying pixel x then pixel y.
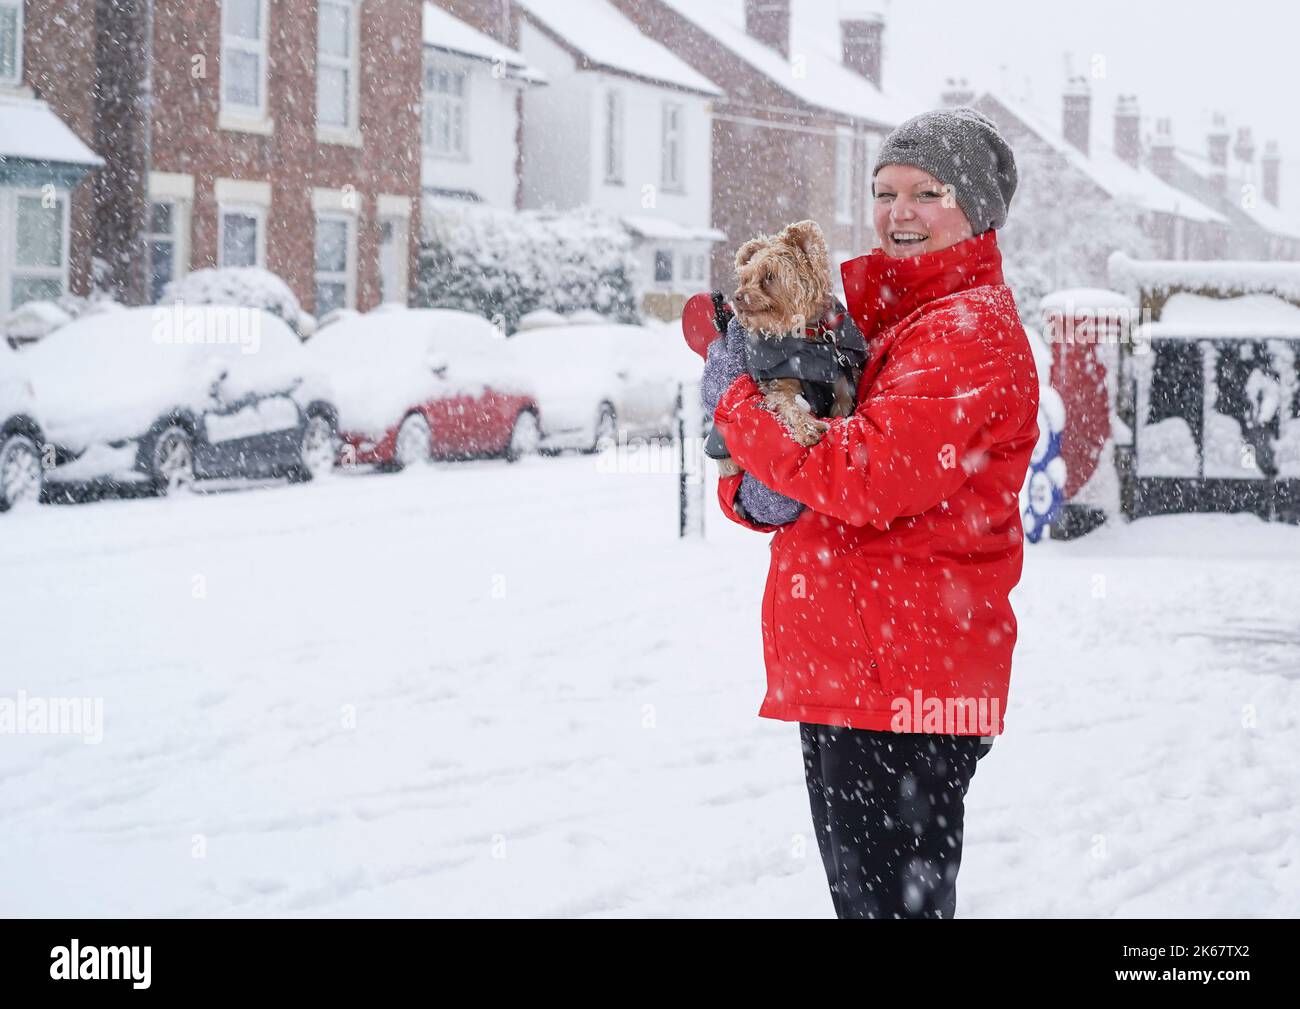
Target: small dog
{"type": "Point", "coordinates": [784, 302]}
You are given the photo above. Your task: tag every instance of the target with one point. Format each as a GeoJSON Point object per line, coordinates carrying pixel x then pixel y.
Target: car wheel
{"type": "Point", "coordinates": [319, 449]}
{"type": "Point", "coordinates": [606, 427]}
{"type": "Point", "coordinates": [525, 436]}
{"type": "Point", "coordinates": [414, 442]}
{"type": "Point", "coordinates": [20, 472]}
{"type": "Point", "coordinates": [173, 460]}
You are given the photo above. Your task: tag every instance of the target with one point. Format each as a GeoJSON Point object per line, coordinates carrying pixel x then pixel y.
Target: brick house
{"type": "Point", "coordinates": [282, 135]}
{"type": "Point", "coordinates": [803, 114]}
{"type": "Point", "coordinates": [47, 140]}
{"type": "Point", "coordinates": [1179, 225]}
{"type": "Point", "coordinates": [1228, 179]}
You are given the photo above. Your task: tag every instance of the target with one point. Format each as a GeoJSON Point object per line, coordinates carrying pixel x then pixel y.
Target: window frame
{"type": "Point", "coordinates": [10, 270]}
{"type": "Point", "coordinates": [259, 112]}
{"type": "Point", "coordinates": [676, 184]}
{"type": "Point", "coordinates": [19, 8]}
{"type": "Point", "coordinates": [349, 272]}
{"type": "Point", "coordinates": [615, 119]}
{"type": "Point", "coordinates": [351, 65]}
{"type": "Point", "coordinates": [179, 237]}
{"type": "Point", "coordinates": [253, 210]}
{"type": "Point", "coordinates": [434, 64]}
{"type": "Point", "coordinates": [665, 254]}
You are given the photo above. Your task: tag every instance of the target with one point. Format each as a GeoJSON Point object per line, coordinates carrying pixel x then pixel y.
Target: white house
{"type": "Point", "coordinates": [624, 125]}
{"type": "Point", "coordinates": [472, 86]}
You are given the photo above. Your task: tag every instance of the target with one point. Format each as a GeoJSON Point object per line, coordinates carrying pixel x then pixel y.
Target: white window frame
{"type": "Point", "coordinates": [17, 79]}
{"type": "Point", "coordinates": [614, 117]}
{"type": "Point", "coordinates": [349, 273]}
{"type": "Point", "coordinates": [349, 132]}
{"type": "Point", "coordinates": [176, 237]}
{"type": "Point", "coordinates": [433, 64]}
{"type": "Point", "coordinates": [673, 168]}
{"type": "Point", "coordinates": [234, 115]}
{"type": "Point", "coordinates": [254, 210]}
{"type": "Point", "coordinates": [9, 268]}
{"type": "Point", "coordinates": [395, 210]}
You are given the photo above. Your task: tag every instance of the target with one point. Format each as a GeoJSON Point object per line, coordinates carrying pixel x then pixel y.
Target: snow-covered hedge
{"type": "Point", "coordinates": [505, 265]}
{"type": "Point", "coordinates": [246, 287]}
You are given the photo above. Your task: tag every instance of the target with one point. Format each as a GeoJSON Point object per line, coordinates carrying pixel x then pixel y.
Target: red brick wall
{"type": "Point", "coordinates": [186, 137]}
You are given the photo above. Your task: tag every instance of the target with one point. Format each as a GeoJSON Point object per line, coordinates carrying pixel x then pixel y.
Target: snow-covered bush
{"type": "Point", "coordinates": [501, 264]}
{"type": "Point", "coordinates": [245, 286]}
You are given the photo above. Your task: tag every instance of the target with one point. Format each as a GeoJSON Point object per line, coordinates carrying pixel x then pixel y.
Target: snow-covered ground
{"type": "Point", "coordinates": [485, 689]}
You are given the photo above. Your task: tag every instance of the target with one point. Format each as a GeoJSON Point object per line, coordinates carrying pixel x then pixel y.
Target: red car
{"type": "Point", "coordinates": [418, 384]}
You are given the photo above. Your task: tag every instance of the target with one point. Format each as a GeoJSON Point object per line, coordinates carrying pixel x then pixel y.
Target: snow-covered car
{"type": "Point", "coordinates": [21, 440]}
{"type": "Point", "coordinates": [147, 399]}
{"type": "Point", "coordinates": [598, 382]}
{"type": "Point", "coordinates": [416, 384]}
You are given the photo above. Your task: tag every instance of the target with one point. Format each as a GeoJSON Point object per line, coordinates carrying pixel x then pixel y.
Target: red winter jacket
{"type": "Point", "coordinates": [886, 601]}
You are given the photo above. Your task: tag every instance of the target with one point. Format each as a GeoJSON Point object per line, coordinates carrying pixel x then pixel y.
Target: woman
{"type": "Point", "coordinates": [887, 630]}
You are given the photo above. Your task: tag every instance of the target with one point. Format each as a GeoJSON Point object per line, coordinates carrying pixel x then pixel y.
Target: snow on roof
{"type": "Point", "coordinates": [444, 31]}
{"type": "Point", "coordinates": [605, 37]}
{"type": "Point", "coordinates": [1247, 309]}
{"type": "Point", "coordinates": [32, 132]}
{"type": "Point", "coordinates": [825, 81]}
{"type": "Point", "coordinates": [650, 226]}
{"type": "Point", "coordinates": [1139, 186]}
{"type": "Point", "coordinates": [1083, 299]}
{"type": "Point", "coordinates": [1227, 277]}
{"type": "Point", "coordinates": [1267, 216]}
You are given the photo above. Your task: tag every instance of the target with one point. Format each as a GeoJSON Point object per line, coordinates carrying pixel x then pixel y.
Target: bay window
{"type": "Point", "coordinates": [445, 110]}
{"type": "Point", "coordinates": [34, 238]}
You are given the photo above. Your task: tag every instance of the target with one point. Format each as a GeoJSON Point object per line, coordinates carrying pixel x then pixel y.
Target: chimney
{"type": "Point", "coordinates": [1127, 145]}
{"type": "Point", "coordinates": [768, 21]}
{"type": "Point", "coordinates": [1218, 143]}
{"type": "Point", "coordinates": [1269, 165]}
{"type": "Point", "coordinates": [1162, 149]}
{"type": "Point", "coordinates": [1244, 148]}
{"type": "Point", "coordinates": [1076, 113]}
{"type": "Point", "coordinates": [956, 92]}
{"type": "Point", "coordinates": [861, 39]}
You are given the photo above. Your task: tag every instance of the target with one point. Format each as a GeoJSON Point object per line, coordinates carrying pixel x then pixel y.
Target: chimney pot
{"type": "Point", "coordinates": [1076, 114]}
{"type": "Point", "coordinates": [1128, 146]}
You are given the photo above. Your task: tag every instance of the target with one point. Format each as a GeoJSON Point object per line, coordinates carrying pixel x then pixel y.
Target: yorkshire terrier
{"type": "Point", "coordinates": [804, 351]}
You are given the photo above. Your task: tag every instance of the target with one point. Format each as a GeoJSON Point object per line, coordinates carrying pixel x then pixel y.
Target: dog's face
{"type": "Point", "coordinates": [784, 280]}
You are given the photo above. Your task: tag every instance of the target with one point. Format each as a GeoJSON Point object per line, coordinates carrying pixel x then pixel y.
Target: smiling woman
{"type": "Point", "coordinates": [915, 213]}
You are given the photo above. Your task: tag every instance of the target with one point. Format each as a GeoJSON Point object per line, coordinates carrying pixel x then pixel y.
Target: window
{"type": "Point", "coordinates": [673, 130]}
{"type": "Point", "coordinates": [243, 56]}
{"type": "Point", "coordinates": [444, 111]}
{"type": "Point", "coordinates": [844, 176]}
{"type": "Point", "coordinates": [163, 239]}
{"type": "Point", "coordinates": [337, 64]}
{"type": "Point", "coordinates": [243, 242]}
{"type": "Point", "coordinates": [663, 266]}
{"type": "Point", "coordinates": [333, 263]}
{"type": "Point", "coordinates": [34, 261]}
{"type": "Point", "coordinates": [392, 260]}
{"type": "Point", "coordinates": [11, 41]}
{"type": "Point", "coordinates": [614, 137]}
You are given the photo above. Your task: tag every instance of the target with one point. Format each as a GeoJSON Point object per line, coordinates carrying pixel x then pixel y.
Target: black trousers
{"type": "Point", "coordinates": [887, 808]}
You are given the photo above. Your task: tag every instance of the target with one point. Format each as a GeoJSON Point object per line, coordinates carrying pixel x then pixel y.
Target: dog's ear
{"type": "Point", "coordinates": [807, 237]}
{"type": "Point", "coordinates": [749, 250]}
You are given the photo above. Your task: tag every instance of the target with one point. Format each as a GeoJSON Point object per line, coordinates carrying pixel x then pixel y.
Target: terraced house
{"type": "Point", "coordinates": [233, 133]}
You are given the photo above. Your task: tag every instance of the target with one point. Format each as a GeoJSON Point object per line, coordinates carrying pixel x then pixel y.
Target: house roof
{"type": "Point", "coordinates": [607, 40]}
{"type": "Point", "coordinates": [824, 82]}
{"type": "Point", "coordinates": [662, 229]}
{"type": "Point", "coordinates": [1263, 214]}
{"type": "Point", "coordinates": [446, 32]}
{"type": "Point", "coordinates": [34, 133]}
{"type": "Point", "coordinates": [1139, 186]}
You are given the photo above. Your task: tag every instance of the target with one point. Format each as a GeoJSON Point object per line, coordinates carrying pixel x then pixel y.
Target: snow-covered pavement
{"type": "Point", "coordinates": [485, 689]}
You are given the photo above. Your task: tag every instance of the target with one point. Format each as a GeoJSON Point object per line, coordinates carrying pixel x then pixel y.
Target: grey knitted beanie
{"type": "Point", "coordinates": [962, 148]}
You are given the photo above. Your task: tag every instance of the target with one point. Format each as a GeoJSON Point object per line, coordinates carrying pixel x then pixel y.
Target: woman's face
{"type": "Point", "coordinates": [909, 212]}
